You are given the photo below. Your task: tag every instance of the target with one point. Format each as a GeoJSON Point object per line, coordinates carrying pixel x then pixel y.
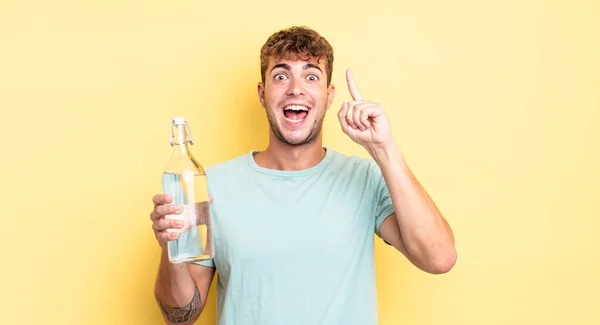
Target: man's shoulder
{"type": "Point", "coordinates": [229, 165]}
{"type": "Point", "coordinates": [356, 169]}
{"type": "Point", "coordinates": [351, 163]}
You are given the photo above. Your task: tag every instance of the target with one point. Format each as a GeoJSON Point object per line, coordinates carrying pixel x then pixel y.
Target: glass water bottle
{"type": "Point", "coordinates": [185, 180]}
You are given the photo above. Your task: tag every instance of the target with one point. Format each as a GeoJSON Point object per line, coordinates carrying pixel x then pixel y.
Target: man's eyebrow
{"type": "Point", "coordinates": [288, 68]}
{"type": "Point", "coordinates": [311, 65]}
{"type": "Point", "coordinates": [281, 65]}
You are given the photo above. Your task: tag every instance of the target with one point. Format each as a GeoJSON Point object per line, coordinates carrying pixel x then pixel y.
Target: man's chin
{"type": "Point", "coordinates": [298, 140]}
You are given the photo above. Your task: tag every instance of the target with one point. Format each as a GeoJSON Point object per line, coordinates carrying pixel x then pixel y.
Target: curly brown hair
{"type": "Point", "coordinates": [296, 43]}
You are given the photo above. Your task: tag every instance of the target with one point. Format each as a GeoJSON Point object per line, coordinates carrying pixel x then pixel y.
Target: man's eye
{"type": "Point", "coordinates": [280, 77]}
{"type": "Point", "coordinates": [312, 77]}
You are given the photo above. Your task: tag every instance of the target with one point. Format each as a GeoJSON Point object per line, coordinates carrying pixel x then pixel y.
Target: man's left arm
{"type": "Point", "coordinates": [417, 228]}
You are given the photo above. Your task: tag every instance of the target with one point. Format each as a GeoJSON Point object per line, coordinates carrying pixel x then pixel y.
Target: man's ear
{"type": "Point", "coordinates": [261, 93]}
{"type": "Point", "coordinates": [330, 94]}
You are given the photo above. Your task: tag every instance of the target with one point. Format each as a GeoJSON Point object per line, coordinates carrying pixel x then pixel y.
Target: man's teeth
{"type": "Point", "coordinates": [296, 108]}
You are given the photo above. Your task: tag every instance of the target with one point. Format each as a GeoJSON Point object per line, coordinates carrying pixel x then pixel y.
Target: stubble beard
{"type": "Point", "coordinates": [310, 138]}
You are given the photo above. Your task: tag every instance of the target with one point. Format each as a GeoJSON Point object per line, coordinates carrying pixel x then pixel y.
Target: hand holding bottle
{"type": "Point", "coordinates": [165, 223]}
{"type": "Point", "coordinates": [160, 224]}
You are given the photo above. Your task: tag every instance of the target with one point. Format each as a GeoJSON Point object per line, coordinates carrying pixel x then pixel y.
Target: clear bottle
{"type": "Point", "coordinates": [185, 180]}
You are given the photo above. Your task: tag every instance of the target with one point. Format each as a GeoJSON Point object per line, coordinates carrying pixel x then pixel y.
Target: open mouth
{"type": "Point", "coordinates": [295, 113]}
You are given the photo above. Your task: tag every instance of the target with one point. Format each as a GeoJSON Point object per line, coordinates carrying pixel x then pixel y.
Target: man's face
{"type": "Point", "coordinates": [295, 96]}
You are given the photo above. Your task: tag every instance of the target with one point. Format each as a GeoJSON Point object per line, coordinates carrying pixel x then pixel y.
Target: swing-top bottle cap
{"type": "Point", "coordinates": [179, 120]}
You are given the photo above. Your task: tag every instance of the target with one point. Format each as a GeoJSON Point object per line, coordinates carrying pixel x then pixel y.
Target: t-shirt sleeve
{"type": "Point", "coordinates": [383, 201]}
{"type": "Point", "coordinates": [209, 263]}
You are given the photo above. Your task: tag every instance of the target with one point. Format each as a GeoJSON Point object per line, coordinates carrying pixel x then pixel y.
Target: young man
{"type": "Point", "coordinates": [293, 225]}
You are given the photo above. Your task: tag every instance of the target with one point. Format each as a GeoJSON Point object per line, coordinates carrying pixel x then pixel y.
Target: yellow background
{"type": "Point", "coordinates": [495, 104]}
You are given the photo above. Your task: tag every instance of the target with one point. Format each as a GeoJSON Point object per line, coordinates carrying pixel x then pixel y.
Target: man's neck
{"type": "Point", "coordinates": [281, 156]}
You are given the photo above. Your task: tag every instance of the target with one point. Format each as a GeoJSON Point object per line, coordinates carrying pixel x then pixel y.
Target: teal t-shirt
{"type": "Point", "coordinates": [296, 247]}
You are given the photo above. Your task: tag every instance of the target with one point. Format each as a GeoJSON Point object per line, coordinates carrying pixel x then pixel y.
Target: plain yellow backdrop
{"type": "Point", "coordinates": [495, 105]}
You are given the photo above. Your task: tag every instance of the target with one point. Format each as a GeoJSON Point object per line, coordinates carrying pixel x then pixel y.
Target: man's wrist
{"type": "Point", "coordinates": [385, 154]}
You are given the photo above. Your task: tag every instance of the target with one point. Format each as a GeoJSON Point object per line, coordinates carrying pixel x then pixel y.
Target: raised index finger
{"type": "Point", "coordinates": [352, 85]}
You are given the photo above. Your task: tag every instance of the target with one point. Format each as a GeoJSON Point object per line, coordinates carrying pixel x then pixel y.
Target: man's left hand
{"type": "Point", "coordinates": [363, 121]}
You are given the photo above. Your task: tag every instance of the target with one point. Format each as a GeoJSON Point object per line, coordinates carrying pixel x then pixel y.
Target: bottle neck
{"type": "Point", "coordinates": [180, 139]}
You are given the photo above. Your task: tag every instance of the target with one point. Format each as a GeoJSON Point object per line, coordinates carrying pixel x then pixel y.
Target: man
{"type": "Point", "coordinates": [293, 225]}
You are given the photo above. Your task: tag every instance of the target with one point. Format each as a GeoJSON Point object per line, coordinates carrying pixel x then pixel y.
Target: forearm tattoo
{"type": "Point", "coordinates": [184, 313]}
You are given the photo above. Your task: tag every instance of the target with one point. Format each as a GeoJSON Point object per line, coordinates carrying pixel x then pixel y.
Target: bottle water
{"type": "Point", "coordinates": [185, 180]}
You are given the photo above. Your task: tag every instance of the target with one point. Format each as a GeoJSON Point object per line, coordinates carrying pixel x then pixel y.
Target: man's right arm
{"type": "Point", "coordinates": [181, 290]}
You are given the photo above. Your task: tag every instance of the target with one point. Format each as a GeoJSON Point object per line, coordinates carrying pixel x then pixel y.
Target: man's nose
{"type": "Point", "coordinates": [296, 88]}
